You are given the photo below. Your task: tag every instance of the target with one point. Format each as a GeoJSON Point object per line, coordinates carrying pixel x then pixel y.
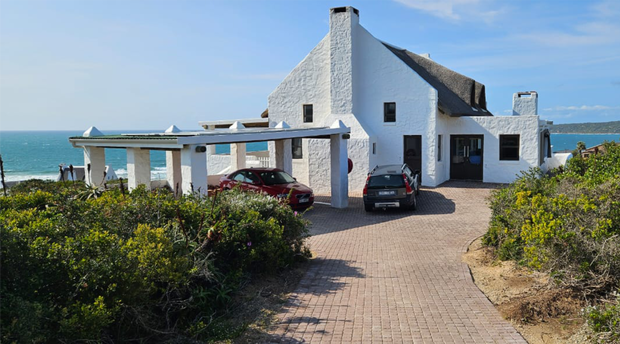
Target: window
{"type": "Point", "coordinates": [389, 112]}
{"type": "Point", "coordinates": [374, 148]}
{"type": "Point", "coordinates": [308, 113]}
{"type": "Point", "coordinates": [509, 147]}
{"type": "Point", "coordinates": [251, 178]}
{"type": "Point", "coordinates": [276, 177]}
{"type": "Point", "coordinates": [239, 177]}
{"type": "Point", "coordinates": [439, 147]}
{"type": "Point", "coordinates": [298, 153]}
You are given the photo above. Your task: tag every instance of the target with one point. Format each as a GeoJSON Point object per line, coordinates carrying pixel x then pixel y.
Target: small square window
{"type": "Point", "coordinates": [297, 149]}
{"type": "Point", "coordinates": [509, 147]}
{"type": "Point", "coordinates": [389, 112]}
{"type": "Point", "coordinates": [308, 113]}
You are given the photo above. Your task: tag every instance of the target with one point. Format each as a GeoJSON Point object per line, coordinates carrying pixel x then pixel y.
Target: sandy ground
{"type": "Point", "coordinates": [541, 313]}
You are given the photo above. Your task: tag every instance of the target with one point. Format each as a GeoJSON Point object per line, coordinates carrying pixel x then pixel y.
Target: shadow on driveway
{"type": "Point", "coordinates": [329, 220]}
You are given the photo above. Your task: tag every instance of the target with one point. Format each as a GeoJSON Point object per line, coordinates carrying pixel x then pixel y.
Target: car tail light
{"type": "Point", "coordinates": [366, 186]}
{"type": "Point", "coordinates": [407, 186]}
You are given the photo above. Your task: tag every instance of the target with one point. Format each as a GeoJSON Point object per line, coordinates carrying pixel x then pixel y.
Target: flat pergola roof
{"type": "Point", "coordinates": [176, 140]}
{"type": "Point", "coordinates": [186, 158]}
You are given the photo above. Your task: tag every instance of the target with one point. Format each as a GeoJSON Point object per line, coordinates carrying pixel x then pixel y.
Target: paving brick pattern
{"type": "Point", "coordinates": [395, 276]}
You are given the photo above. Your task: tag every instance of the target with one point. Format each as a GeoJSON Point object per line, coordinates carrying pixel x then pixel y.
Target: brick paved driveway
{"type": "Point", "coordinates": [395, 276]}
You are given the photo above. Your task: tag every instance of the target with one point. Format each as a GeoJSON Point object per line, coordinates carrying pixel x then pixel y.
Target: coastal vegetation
{"type": "Point", "coordinates": [587, 128]}
{"type": "Point", "coordinates": [79, 265]}
{"type": "Point", "coordinates": [567, 224]}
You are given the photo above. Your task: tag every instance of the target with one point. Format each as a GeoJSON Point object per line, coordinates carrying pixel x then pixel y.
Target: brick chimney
{"type": "Point", "coordinates": [525, 103]}
{"type": "Point", "coordinates": [343, 22]}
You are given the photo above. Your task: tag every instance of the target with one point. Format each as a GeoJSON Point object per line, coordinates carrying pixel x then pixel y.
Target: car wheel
{"type": "Point", "coordinates": [368, 207]}
{"type": "Point", "coordinates": [414, 202]}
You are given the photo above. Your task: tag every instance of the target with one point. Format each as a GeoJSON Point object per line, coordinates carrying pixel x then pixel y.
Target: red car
{"type": "Point", "coordinates": [272, 181]}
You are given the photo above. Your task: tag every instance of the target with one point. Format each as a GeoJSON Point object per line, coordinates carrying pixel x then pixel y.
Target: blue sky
{"type": "Point", "coordinates": [149, 64]}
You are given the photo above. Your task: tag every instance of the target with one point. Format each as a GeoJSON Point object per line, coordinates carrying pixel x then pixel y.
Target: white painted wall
{"type": "Point", "coordinates": [307, 83]}
{"type": "Point", "coordinates": [348, 76]}
{"type": "Point", "coordinates": [376, 76]}
{"type": "Point", "coordinates": [494, 170]}
{"type": "Point", "coordinates": [382, 77]}
{"type": "Point", "coordinates": [218, 163]}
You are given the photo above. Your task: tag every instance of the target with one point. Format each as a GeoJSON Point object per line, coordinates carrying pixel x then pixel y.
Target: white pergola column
{"type": "Point", "coordinates": [138, 168]}
{"type": "Point", "coordinates": [339, 171]}
{"type": "Point", "coordinates": [284, 155]}
{"type": "Point", "coordinates": [237, 155]}
{"type": "Point", "coordinates": [94, 163]}
{"type": "Point", "coordinates": [173, 170]}
{"type": "Point", "coordinates": [194, 169]}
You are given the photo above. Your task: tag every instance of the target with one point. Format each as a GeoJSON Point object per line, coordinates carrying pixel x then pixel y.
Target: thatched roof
{"type": "Point", "coordinates": [458, 94]}
{"type": "Point", "coordinates": [265, 114]}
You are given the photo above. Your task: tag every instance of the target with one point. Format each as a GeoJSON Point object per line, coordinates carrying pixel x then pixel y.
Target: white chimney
{"type": "Point", "coordinates": [343, 22]}
{"type": "Point", "coordinates": [525, 103]}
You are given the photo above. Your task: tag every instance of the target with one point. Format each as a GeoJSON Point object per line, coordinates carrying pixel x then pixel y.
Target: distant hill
{"type": "Point", "coordinates": [587, 128]}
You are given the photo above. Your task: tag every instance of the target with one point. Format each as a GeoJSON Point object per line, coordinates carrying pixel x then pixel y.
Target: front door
{"type": "Point", "coordinates": [466, 156]}
{"type": "Point", "coordinates": [413, 152]}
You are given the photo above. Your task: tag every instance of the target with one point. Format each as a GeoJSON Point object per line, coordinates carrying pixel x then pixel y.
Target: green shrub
{"type": "Point", "coordinates": [567, 223]}
{"type": "Point", "coordinates": [605, 320]}
{"type": "Point", "coordinates": [132, 266]}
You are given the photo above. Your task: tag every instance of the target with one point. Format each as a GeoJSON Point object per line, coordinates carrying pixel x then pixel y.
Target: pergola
{"type": "Point", "coordinates": [186, 158]}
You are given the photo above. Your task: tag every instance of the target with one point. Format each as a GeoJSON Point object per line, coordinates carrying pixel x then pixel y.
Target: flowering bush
{"type": "Point", "coordinates": [566, 223]}
{"type": "Point", "coordinates": [140, 266]}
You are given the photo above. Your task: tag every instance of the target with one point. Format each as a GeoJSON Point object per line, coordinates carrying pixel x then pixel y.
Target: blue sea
{"type": "Point", "coordinates": [37, 154]}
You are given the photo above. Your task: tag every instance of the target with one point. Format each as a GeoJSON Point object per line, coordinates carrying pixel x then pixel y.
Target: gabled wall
{"type": "Point", "coordinates": [382, 77]}
{"type": "Point", "coordinates": [349, 76]}
{"type": "Point", "coordinates": [336, 82]}
{"type": "Point", "coordinates": [307, 83]}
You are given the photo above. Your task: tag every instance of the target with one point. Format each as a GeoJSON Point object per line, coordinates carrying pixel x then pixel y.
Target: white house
{"type": "Point", "coordinates": [401, 107]}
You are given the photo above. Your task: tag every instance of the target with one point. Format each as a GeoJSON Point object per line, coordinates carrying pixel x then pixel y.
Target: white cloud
{"type": "Point", "coordinates": [583, 108]}
{"type": "Point", "coordinates": [455, 10]}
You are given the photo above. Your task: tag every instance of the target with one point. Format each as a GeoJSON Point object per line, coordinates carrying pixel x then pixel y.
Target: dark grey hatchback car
{"type": "Point", "coordinates": [391, 186]}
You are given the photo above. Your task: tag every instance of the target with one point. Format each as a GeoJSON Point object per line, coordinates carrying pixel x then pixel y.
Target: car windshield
{"type": "Point", "coordinates": [386, 181]}
{"type": "Point", "coordinates": [276, 177]}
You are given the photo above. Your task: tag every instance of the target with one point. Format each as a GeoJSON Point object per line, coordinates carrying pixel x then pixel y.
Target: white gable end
{"type": "Point", "coordinates": [307, 83]}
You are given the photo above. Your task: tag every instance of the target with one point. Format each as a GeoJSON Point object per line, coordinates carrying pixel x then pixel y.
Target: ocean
{"type": "Point", "coordinates": [37, 154]}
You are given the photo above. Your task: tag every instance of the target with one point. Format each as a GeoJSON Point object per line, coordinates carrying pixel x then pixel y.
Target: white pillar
{"type": "Point", "coordinates": [339, 171]}
{"type": "Point", "coordinates": [237, 156]}
{"type": "Point", "coordinates": [284, 155]}
{"type": "Point", "coordinates": [194, 169]}
{"type": "Point", "coordinates": [138, 168]}
{"type": "Point", "coordinates": [94, 163]}
{"type": "Point", "coordinates": [173, 169]}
